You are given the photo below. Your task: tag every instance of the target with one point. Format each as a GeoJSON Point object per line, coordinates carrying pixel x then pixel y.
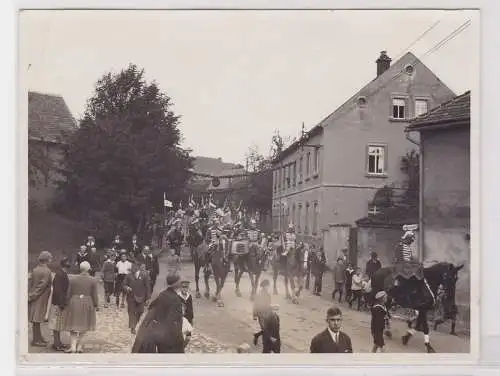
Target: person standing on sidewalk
{"type": "Point", "coordinates": [137, 286]}
{"type": "Point", "coordinates": [372, 265]}
{"type": "Point", "coordinates": [318, 267]}
{"type": "Point", "coordinates": [338, 278]}
{"type": "Point", "coordinates": [332, 339]}
{"type": "Point", "coordinates": [108, 276]}
{"type": "Point", "coordinates": [38, 296]}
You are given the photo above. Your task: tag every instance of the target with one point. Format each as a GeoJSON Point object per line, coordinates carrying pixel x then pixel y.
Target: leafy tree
{"type": "Point", "coordinates": [123, 156]}
{"type": "Point", "coordinates": [39, 164]}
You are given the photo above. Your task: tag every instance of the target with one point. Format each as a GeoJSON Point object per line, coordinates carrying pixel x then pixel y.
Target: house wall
{"type": "Point", "coordinates": [306, 191]}
{"type": "Point", "coordinates": [346, 140]}
{"type": "Point", "coordinates": [446, 201]}
{"type": "Point", "coordinates": [45, 191]}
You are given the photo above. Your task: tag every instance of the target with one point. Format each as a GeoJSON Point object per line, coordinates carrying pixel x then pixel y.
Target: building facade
{"type": "Point", "coordinates": [49, 123]}
{"type": "Point", "coordinates": [329, 177]}
{"type": "Point", "coordinates": [445, 187]}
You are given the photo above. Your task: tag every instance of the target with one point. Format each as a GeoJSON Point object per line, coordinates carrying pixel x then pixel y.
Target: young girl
{"type": "Point", "coordinates": [357, 288]}
{"type": "Point", "coordinates": [367, 292]}
{"type": "Point", "coordinates": [379, 314]}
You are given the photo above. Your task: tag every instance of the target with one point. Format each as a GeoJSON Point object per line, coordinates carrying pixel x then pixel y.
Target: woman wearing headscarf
{"type": "Point", "coordinates": [161, 330]}
{"type": "Point", "coordinates": [38, 296]}
{"type": "Point", "coordinates": [79, 315]}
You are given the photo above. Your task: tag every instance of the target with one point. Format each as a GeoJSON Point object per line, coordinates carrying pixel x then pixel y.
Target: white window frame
{"type": "Point", "coordinates": [421, 100]}
{"type": "Point", "coordinates": [299, 213]}
{"type": "Point", "coordinates": [316, 160]}
{"type": "Point", "coordinates": [294, 173]}
{"type": "Point", "coordinates": [316, 217]}
{"type": "Point", "coordinates": [371, 150]}
{"type": "Point", "coordinates": [301, 169]}
{"type": "Point", "coordinates": [399, 102]}
{"type": "Point", "coordinates": [306, 222]}
{"type": "Point", "coordinates": [308, 164]}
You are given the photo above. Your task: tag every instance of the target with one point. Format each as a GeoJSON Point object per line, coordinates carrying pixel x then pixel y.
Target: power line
{"type": "Point", "coordinates": [419, 38]}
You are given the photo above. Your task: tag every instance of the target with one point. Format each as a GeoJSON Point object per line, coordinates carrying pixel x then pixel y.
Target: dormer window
{"type": "Point", "coordinates": [362, 101]}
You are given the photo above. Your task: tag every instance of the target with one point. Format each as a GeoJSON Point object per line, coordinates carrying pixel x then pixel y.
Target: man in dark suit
{"type": "Point", "coordinates": [151, 262]}
{"type": "Point", "coordinates": [138, 288]}
{"type": "Point", "coordinates": [332, 339]}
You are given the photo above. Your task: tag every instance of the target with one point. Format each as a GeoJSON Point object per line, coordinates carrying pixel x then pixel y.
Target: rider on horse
{"type": "Point", "coordinates": [409, 273]}
{"type": "Point", "coordinates": [289, 239]}
{"type": "Point", "coordinates": [254, 235]}
{"type": "Point", "coordinates": [175, 236]}
{"type": "Point", "coordinates": [214, 235]}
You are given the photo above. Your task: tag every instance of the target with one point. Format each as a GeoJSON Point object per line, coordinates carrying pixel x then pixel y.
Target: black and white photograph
{"type": "Point", "coordinates": [249, 182]}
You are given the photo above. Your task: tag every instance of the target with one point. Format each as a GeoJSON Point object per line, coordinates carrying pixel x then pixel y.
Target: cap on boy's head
{"type": "Point", "coordinates": [380, 295]}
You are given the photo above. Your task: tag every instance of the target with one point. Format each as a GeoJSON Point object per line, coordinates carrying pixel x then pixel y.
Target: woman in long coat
{"type": "Point", "coordinates": [80, 313]}
{"type": "Point", "coordinates": [161, 329]}
{"type": "Point", "coordinates": [38, 296]}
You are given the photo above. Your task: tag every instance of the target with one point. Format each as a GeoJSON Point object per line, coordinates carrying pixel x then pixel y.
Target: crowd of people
{"type": "Point", "coordinates": [68, 301]}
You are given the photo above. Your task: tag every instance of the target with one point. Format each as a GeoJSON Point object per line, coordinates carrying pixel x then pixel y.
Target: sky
{"type": "Point", "coordinates": [236, 77]}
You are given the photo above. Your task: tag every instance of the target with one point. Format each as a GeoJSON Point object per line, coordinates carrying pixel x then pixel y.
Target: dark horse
{"type": "Point", "coordinates": [292, 267]}
{"type": "Point", "coordinates": [216, 263]}
{"type": "Point", "coordinates": [198, 251]}
{"type": "Point", "coordinates": [251, 262]}
{"type": "Point", "coordinates": [419, 295]}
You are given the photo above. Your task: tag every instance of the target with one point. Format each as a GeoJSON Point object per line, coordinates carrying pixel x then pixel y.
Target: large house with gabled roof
{"type": "Point", "coordinates": [330, 175]}
{"type": "Point", "coordinates": [49, 124]}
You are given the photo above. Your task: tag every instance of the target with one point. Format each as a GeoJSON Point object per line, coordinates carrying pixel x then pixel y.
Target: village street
{"type": "Point", "coordinates": [223, 329]}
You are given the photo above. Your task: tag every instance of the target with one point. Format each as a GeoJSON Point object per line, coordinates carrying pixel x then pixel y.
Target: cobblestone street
{"type": "Point", "coordinates": [223, 329]}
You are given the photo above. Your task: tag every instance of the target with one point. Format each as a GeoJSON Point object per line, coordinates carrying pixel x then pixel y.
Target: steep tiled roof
{"type": "Point", "coordinates": [213, 166]}
{"type": "Point", "coordinates": [49, 118]}
{"type": "Point", "coordinates": [454, 111]}
{"type": "Point", "coordinates": [394, 72]}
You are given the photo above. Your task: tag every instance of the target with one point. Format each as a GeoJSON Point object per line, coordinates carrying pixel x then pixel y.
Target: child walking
{"type": "Point", "coordinates": [379, 315]}
{"type": "Point", "coordinates": [357, 288]}
{"type": "Point", "coordinates": [338, 278]}
{"type": "Point", "coordinates": [108, 275]}
{"type": "Point", "coordinates": [173, 263]}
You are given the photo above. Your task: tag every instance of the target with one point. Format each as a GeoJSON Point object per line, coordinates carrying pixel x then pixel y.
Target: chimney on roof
{"type": "Point", "coordinates": [383, 63]}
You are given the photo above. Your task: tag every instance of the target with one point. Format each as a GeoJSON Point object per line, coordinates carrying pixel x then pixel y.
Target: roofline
{"type": "Point", "coordinates": [439, 124]}
{"type": "Point", "coordinates": [314, 131]}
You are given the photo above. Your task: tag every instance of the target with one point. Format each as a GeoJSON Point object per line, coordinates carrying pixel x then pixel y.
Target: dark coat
{"type": "Point", "coordinates": [318, 263]}
{"type": "Point", "coordinates": [141, 287]}
{"type": "Point", "coordinates": [39, 293]}
{"type": "Point", "coordinates": [135, 250]}
{"type": "Point", "coordinates": [81, 257]}
{"type": "Point", "coordinates": [371, 267]}
{"type": "Point", "coordinates": [161, 329]}
{"type": "Point", "coordinates": [323, 343]}
{"type": "Point", "coordinates": [152, 264]}
{"type": "Point", "coordinates": [60, 286]}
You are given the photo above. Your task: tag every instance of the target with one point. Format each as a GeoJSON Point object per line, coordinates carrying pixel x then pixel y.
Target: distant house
{"type": "Point", "coordinates": [328, 178]}
{"type": "Point", "coordinates": [445, 180]}
{"type": "Point", "coordinates": [229, 177]}
{"type": "Point", "coordinates": [49, 123]}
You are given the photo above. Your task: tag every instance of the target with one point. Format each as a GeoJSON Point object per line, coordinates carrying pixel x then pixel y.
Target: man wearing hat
{"type": "Point", "coordinates": [138, 289]}
{"type": "Point", "coordinates": [378, 323]}
{"type": "Point", "coordinates": [38, 296]}
{"type": "Point", "coordinates": [60, 286]}
{"type": "Point", "coordinates": [254, 236]}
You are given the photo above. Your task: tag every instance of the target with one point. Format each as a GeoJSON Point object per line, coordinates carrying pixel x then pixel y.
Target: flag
{"type": "Point", "coordinates": [192, 203]}
{"type": "Point", "coordinates": [166, 203]}
{"type": "Point", "coordinates": [210, 203]}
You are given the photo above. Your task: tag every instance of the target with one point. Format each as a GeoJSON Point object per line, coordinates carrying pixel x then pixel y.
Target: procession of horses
{"type": "Point", "coordinates": [217, 245]}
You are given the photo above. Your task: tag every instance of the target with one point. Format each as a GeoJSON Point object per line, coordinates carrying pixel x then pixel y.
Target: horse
{"type": "Point", "coordinates": [198, 252]}
{"type": "Point", "coordinates": [419, 295]}
{"type": "Point", "coordinates": [251, 262]}
{"type": "Point", "coordinates": [293, 267]}
{"type": "Point", "coordinates": [218, 265]}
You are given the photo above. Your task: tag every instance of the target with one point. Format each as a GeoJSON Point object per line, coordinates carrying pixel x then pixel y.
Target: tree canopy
{"type": "Point", "coordinates": [124, 155]}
